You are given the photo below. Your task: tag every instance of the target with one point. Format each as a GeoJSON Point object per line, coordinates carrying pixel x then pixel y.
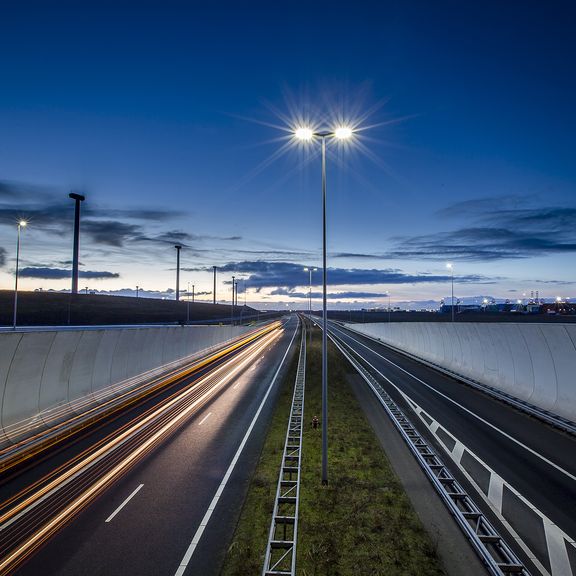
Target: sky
{"type": "Point", "coordinates": [176, 119]}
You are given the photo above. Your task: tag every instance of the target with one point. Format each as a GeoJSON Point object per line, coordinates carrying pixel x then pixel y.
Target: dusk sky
{"type": "Point", "coordinates": [174, 119]}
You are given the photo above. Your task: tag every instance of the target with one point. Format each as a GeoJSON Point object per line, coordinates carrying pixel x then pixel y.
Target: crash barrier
{"type": "Point", "coordinates": [46, 376]}
{"type": "Point", "coordinates": [532, 362]}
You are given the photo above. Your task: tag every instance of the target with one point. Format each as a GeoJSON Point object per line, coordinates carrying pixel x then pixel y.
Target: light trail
{"type": "Point", "coordinates": [123, 395]}
{"type": "Point", "coordinates": [138, 439]}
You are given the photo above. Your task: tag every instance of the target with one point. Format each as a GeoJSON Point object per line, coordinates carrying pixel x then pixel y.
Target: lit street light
{"type": "Point", "coordinates": [451, 268]}
{"type": "Point", "coordinates": [306, 134]}
{"type": "Point", "coordinates": [21, 224]}
{"type": "Point", "coordinates": [214, 290]}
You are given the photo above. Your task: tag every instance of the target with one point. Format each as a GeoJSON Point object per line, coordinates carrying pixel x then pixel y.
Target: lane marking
{"type": "Point", "coordinates": [198, 534]}
{"type": "Point", "coordinates": [44, 531]}
{"type": "Point", "coordinates": [124, 503]}
{"type": "Point", "coordinates": [489, 424]}
{"type": "Point", "coordinates": [557, 540]}
{"type": "Point", "coordinates": [205, 418]}
{"type": "Point", "coordinates": [235, 385]}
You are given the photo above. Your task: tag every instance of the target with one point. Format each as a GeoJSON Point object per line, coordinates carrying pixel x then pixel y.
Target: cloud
{"type": "Point", "coordinates": [152, 214]}
{"type": "Point", "coordinates": [110, 232]}
{"type": "Point", "coordinates": [60, 274]}
{"type": "Point", "coordinates": [357, 255]}
{"type": "Point", "coordinates": [2, 257]}
{"type": "Point", "coordinates": [329, 295]}
{"type": "Point", "coordinates": [501, 228]}
{"type": "Point", "coordinates": [263, 274]}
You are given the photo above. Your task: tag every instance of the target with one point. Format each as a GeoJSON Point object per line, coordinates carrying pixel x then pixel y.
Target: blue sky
{"type": "Point", "coordinates": [172, 118]}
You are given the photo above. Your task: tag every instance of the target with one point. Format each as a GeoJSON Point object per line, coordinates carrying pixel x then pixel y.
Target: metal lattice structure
{"type": "Point", "coordinates": [283, 535]}
{"type": "Point", "coordinates": [499, 558]}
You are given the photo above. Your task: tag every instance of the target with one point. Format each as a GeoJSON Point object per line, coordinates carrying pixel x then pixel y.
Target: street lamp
{"type": "Point", "coordinates": [451, 268]}
{"type": "Point", "coordinates": [137, 290]}
{"type": "Point", "coordinates": [21, 224]}
{"type": "Point", "coordinates": [178, 248]}
{"type": "Point", "coordinates": [214, 291]}
{"type": "Point", "coordinates": [76, 247]}
{"type": "Point", "coordinates": [232, 309]}
{"type": "Point", "coordinates": [306, 134]}
{"type": "Point", "coordinates": [310, 270]}
{"type": "Point", "coordinates": [188, 304]}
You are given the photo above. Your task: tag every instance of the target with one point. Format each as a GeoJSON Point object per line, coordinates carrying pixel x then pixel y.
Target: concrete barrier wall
{"type": "Point", "coordinates": [533, 362]}
{"type": "Point", "coordinates": [46, 376]}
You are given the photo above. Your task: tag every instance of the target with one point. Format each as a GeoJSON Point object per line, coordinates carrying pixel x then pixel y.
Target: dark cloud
{"type": "Point", "coordinates": [60, 273]}
{"type": "Point", "coordinates": [110, 232]}
{"type": "Point", "coordinates": [329, 295]}
{"type": "Point", "coordinates": [357, 255]}
{"type": "Point", "coordinates": [20, 191]}
{"type": "Point", "coordinates": [152, 214]}
{"type": "Point", "coordinates": [2, 257]}
{"type": "Point", "coordinates": [261, 274]}
{"type": "Point", "coordinates": [501, 228]}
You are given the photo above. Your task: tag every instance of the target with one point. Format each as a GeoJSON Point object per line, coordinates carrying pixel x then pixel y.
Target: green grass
{"type": "Point", "coordinates": [246, 553]}
{"type": "Point", "coordinates": [361, 523]}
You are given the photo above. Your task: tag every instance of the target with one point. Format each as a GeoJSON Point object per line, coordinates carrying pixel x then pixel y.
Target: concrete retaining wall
{"type": "Point", "coordinates": [533, 362]}
{"type": "Point", "coordinates": [45, 376]}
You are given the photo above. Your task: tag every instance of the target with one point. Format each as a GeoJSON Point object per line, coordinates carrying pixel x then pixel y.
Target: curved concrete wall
{"type": "Point", "coordinates": [46, 376]}
{"type": "Point", "coordinates": [533, 362]}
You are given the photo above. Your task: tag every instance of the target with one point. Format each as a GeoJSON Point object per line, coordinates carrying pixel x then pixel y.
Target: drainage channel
{"type": "Point", "coordinates": [282, 538]}
{"type": "Point", "coordinates": [498, 557]}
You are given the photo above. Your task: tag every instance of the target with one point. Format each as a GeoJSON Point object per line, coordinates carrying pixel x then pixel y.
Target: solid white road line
{"type": "Point", "coordinates": [188, 555]}
{"type": "Point", "coordinates": [205, 418]}
{"type": "Point", "coordinates": [124, 503]}
{"type": "Point", "coordinates": [473, 414]}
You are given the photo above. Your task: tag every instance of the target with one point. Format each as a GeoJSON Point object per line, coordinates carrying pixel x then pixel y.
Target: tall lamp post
{"type": "Point", "coordinates": [21, 224]}
{"type": "Point", "coordinates": [75, 255]}
{"type": "Point", "coordinates": [233, 288]}
{"type": "Point", "coordinates": [451, 268]}
{"type": "Point", "coordinates": [306, 135]}
{"type": "Point", "coordinates": [214, 291]}
{"type": "Point", "coordinates": [178, 248]}
{"type": "Point", "coordinates": [188, 304]}
{"type": "Point", "coordinates": [310, 270]}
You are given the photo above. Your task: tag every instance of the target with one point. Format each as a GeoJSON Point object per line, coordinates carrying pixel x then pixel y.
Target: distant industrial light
{"type": "Point", "coordinates": [22, 223]}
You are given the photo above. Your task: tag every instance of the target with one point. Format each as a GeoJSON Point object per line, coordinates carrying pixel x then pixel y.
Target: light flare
{"type": "Point", "coordinates": [304, 134]}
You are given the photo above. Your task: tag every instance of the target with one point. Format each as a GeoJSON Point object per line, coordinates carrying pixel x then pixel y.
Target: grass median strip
{"type": "Point", "coordinates": [362, 523]}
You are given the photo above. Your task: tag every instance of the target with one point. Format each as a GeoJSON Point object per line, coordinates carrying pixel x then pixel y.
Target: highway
{"type": "Point", "coordinates": [153, 492]}
{"type": "Point", "coordinates": [523, 471]}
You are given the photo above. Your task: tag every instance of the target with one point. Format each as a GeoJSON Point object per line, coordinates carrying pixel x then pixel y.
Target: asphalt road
{"type": "Point", "coordinates": [145, 522]}
{"type": "Point", "coordinates": [524, 468]}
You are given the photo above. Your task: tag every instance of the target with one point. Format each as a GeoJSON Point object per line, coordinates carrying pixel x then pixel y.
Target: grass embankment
{"type": "Point", "coordinates": [362, 523]}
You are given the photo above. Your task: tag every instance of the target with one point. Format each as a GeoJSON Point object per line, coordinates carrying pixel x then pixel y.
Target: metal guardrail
{"type": "Point", "coordinates": [498, 557]}
{"type": "Point", "coordinates": [283, 535]}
